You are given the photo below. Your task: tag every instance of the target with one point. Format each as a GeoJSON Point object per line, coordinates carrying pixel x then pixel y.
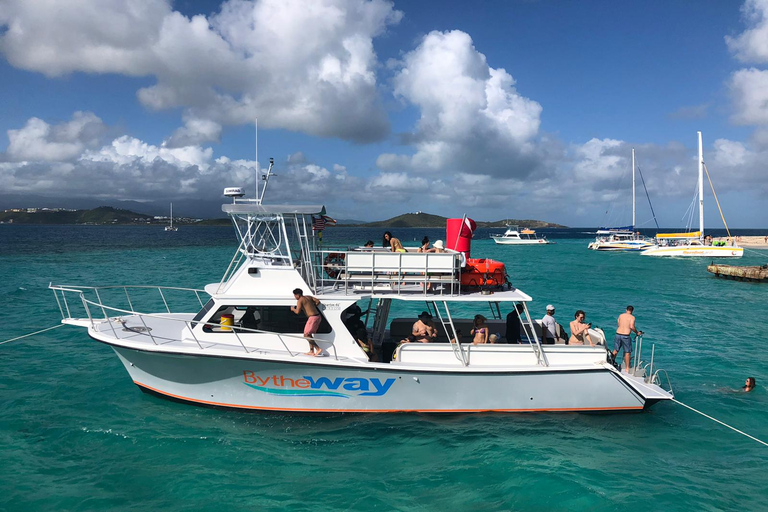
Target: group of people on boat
{"type": "Point", "coordinates": [395, 245]}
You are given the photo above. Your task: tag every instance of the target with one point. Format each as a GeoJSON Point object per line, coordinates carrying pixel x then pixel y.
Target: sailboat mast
{"type": "Point", "coordinates": [634, 223]}
{"type": "Point", "coordinates": [171, 214]}
{"type": "Point", "coordinates": [701, 188]}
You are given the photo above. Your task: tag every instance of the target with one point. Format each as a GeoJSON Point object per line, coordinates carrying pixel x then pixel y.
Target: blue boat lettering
{"type": "Point", "coordinates": [339, 387]}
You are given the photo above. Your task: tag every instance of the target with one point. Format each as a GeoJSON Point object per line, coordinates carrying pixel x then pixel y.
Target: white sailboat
{"type": "Point", "coordinates": [171, 227]}
{"type": "Point", "coordinates": [691, 244]}
{"type": "Point", "coordinates": [622, 239]}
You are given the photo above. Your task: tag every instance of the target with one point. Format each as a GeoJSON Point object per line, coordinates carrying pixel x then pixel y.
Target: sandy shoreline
{"type": "Point", "coordinates": [751, 242]}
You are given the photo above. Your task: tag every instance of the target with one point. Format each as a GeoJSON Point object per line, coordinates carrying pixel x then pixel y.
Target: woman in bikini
{"type": "Point", "coordinates": [480, 331]}
{"type": "Point", "coordinates": [580, 330]}
{"type": "Point", "coordinates": [393, 243]}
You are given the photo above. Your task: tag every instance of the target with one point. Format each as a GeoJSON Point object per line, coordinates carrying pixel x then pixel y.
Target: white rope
{"type": "Point", "coordinates": [31, 334]}
{"type": "Point", "coordinates": [720, 422]}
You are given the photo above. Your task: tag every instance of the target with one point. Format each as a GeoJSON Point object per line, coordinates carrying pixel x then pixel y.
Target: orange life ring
{"type": "Point", "coordinates": [333, 264]}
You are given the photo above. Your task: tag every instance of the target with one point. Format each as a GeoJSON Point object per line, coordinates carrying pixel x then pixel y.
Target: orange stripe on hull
{"type": "Point", "coordinates": [290, 409]}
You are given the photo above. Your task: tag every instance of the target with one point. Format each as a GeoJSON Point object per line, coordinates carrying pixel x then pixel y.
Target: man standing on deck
{"type": "Point", "coordinates": [549, 326]}
{"type": "Point", "coordinates": [513, 325]}
{"type": "Point", "coordinates": [626, 326]}
{"type": "Point", "coordinates": [309, 305]}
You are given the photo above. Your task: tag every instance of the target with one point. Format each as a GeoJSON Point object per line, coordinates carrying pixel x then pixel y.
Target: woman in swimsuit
{"type": "Point", "coordinates": [480, 331]}
{"type": "Point", "coordinates": [393, 243]}
{"type": "Point", "coordinates": [580, 330]}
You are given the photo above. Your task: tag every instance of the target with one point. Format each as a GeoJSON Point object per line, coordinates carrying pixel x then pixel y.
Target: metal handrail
{"type": "Point", "coordinates": [321, 268]}
{"type": "Point", "coordinates": [103, 307]}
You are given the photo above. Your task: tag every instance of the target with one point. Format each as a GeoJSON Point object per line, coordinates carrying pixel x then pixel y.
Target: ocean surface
{"type": "Point", "coordinates": [76, 434]}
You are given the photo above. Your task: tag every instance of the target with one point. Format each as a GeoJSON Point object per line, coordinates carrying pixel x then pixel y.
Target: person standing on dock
{"type": "Point", "coordinates": [626, 326]}
{"type": "Point", "coordinates": [309, 305]}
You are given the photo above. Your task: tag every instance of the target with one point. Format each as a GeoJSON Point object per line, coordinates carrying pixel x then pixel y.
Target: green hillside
{"type": "Point", "coordinates": [101, 215]}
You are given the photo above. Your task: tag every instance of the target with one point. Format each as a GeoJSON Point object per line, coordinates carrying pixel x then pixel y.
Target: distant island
{"type": "Point", "coordinates": [426, 220]}
{"type": "Point", "coordinates": [107, 215]}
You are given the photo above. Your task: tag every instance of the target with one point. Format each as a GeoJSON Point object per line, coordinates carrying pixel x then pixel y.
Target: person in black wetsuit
{"type": "Point", "coordinates": [513, 325]}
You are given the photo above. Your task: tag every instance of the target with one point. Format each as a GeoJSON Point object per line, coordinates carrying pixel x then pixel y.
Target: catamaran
{"type": "Point", "coordinates": [623, 238]}
{"type": "Point", "coordinates": [171, 227]}
{"type": "Point", "coordinates": [238, 344]}
{"type": "Point", "coordinates": [692, 243]}
{"type": "Point", "coordinates": [516, 236]}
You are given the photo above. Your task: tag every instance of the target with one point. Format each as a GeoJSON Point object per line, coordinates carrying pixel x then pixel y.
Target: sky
{"type": "Point", "coordinates": [494, 109]}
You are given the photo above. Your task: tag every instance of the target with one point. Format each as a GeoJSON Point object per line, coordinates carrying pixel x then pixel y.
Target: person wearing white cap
{"type": "Point", "coordinates": [549, 326]}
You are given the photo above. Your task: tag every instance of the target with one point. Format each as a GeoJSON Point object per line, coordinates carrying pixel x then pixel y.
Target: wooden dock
{"type": "Point", "coordinates": [741, 273]}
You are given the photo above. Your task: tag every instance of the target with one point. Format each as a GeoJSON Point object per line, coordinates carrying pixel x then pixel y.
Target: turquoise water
{"type": "Point", "coordinates": [76, 434]}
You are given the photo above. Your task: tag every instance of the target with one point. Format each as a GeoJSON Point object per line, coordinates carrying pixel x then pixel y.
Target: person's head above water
{"type": "Point", "coordinates": [750, 384]}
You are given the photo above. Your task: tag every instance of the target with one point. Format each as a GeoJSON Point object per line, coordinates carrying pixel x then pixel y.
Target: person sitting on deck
{"type": "Point", "coordinates": [393, 243]}
{"type": "Point", "coordinates": [480, 331]}
{"type": "Point", "coordinates": [437, 247]}
{"type": "Point", "coordinates": [424, 245]}
{"type": "Point", "coordinates": [580, 330]}
{"type": "Point", "coordinates": [361, 336]}
{"type": "Point", "coordinates": [423, 330]}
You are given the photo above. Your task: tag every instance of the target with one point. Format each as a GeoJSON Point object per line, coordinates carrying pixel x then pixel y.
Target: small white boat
{"type": "Point", "coordinates": [692, 244]}
{"type": "Point", "coordinates": [243, 347]}
{"type": "Point", "coordinates": [620, 241]}
{"type": "Point", "coordinates": [516, 236]}
{"type": "Point", "coordinates": [171, 227]}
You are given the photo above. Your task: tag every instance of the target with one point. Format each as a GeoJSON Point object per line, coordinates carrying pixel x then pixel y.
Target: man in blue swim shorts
{"type": "Point", "coordinates": [626, 326]}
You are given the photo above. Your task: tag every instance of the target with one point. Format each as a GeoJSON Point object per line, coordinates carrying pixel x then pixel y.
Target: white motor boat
{"type": "Point", "coordinates": [624, 238]}
{"type": "Point", "coordinates": [171, 227]}
{"type": "Point", "coordinates": [242, 347]}
{"type": "Point", "coordinates": [620, 240]}
{"type": "Point", "coordinates": [516, 236]}
{"type": "Point", "coordinates": [692, 244]}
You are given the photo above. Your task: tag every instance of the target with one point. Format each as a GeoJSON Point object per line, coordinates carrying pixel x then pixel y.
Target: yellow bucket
{"type": "Point", "coordinates": [227, 320]}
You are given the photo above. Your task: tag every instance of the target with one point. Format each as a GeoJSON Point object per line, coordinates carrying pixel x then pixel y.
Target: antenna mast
{"type": "Point", "coordinates": [634, 223]}
{"type": "Point", "coordinates": [701, 188]}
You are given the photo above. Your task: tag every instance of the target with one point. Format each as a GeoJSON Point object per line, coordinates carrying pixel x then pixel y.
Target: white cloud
{"type": "Point", "coordinates": [195, 131]}
{"type": "Point", "coordinates": [472, 117]}
{"type": "Point", "coordinates": [749, 90]}
{"type": "Point", "coordinates": [303, 65]}
{"type": "Point", "coordinates": [752, 44]}
{"type": "Point", "coordinates": [39, 141]}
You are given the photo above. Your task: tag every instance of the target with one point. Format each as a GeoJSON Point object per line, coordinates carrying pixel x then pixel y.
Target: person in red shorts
{"type": "Point", "coordinates": [308, 305]}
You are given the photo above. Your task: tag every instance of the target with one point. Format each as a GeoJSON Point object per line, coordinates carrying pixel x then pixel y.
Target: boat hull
{"type": "Point", "coordinates": [696, 252]}
{"type": "Point", "coordinates": [503, 241]}
{"type": "Point", "coordinates": [304, 387]}
{"type": "Point", "coordinates": [625, 247]}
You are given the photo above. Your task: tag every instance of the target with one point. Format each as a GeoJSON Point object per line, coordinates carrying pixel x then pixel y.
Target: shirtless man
{"type": "Point", "coordinates": [309, 305]}
{"type": "Point", "coordinates": [626, 325]}
{"type": "Point", "coordinates": [423, 331]}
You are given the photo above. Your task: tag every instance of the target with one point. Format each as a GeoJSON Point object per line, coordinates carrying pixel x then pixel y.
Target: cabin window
{"type": "Point", "coordinates": [266, 318]}
{"type": "Point", "coordinates": [199, 316]}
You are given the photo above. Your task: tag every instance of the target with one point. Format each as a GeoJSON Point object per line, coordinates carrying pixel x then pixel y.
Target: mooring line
{"type": "Point", "coordinates": [31, 334]}
{"type": "Point", "coordinates": [720, 422]}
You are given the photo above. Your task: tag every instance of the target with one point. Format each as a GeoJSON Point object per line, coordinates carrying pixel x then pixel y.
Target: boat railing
{"type": "Point", "coordinates": [115, 315]}
{"type": "Point", "coordinates": [380, 269]}
{"type": "Point", "coordinates": [160, 295]}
